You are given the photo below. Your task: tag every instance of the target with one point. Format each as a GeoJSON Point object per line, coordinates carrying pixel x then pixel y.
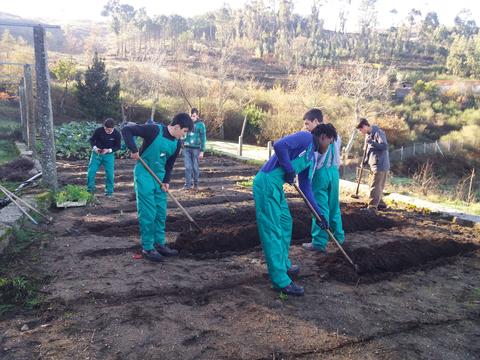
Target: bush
{"type": "Point", "coordinates": [72, 141]}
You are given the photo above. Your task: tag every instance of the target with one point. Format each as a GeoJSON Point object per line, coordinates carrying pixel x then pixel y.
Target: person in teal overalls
{"type": "Point", "coordinates": [105, 141]}
{"type": "Point", "coordinates": [325, 185]}
{"type": "Point", "coordinates": [159, 150]}
{"type": "Point", "coordinates": [193, 150]}
{"type": "Point", "coordinates": [294, 154]}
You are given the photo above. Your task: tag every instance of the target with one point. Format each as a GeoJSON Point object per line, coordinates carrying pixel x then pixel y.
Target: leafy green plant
{"type": "Point", "coordinates": [17, 292]}
{"type": "Point", "coordinates": [72, 139]}
{"type": "Point", "coordinates": [246, 183]}
{"type": "Point", "coordinates": [72, 193]}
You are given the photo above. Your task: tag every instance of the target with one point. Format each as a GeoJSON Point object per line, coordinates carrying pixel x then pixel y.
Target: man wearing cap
{"type": "Point", "coordinates": [105, 141]}
{"type": "Point", "coordinates": [378, 159]}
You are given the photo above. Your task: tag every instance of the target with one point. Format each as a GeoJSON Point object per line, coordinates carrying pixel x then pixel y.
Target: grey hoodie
{"type": "Point", "coordinates": [377, 150]}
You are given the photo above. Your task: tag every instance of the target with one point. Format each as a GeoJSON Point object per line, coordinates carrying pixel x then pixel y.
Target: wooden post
{"type": "Point", "coordinates": [413, 148]}
{"type": "Point", "coordinates": [240, 138]}
{"type": "Point", "coordinates": [30, 107]}
{"type": "Point", "coordinates": [23, 115]}
{"type": "Point", "coordinates": [44, 107]}
{"type": "Point", "coordinates": [470, 187]}
{"type": "Point", "coordinates": [401, 153]}
{"type": "Point", "coordinates": [449, 146]}
{"type": "Point", "coordinates": [270, 149]}
{"type": "Point", "coordinates": [424, 148]}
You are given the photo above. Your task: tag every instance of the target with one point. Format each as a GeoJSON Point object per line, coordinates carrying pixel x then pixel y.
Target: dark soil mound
{"type": "Point", "coordinates": [16, 170]}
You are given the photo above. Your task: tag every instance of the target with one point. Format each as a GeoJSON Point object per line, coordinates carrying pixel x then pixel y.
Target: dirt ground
{"type": "Point", "coordinates": [417, 296]}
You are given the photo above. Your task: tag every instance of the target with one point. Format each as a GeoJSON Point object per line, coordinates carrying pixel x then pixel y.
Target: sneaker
{"type": "Point", "coordinates": [166, 251]}
{"type": "Point", "coordinates": [370, 210]}
{"type": "Point", "coordinates": [310, 247]}
{"type": "Point", "coordinates": [293, 289]}
{"type": "Point", "coordinates": [186, 188]}
{"type": "Point", "coordinates": [382, 207]}
{"type": "Point", "coordinates": [152, 255]}
{"type": "Point", "coordinates": [294, 270]}
{"type": "Point", "coordinates": [109, 195]}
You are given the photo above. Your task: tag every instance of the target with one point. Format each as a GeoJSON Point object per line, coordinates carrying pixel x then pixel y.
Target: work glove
{"type": "Point", "coordinates": [322, 222]}
{"type": "Point", "coordinates": [290, 177]}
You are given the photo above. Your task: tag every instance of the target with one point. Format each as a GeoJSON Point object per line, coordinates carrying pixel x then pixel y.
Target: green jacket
{"type": "Point", "coordinates": [198, 137]}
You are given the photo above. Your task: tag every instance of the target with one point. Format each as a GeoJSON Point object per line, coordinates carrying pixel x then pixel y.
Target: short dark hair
{"type": "Point", "coordinates": [194, 111]}
{"type": "Point", "coordinates": [314, 114]}
{"type": "Point", "coordinates": [327, 129]}
{"type": "Point", "coordinates": [184, 120]}
{"type": "Point", "coordinates": [363, 122]}
{"type": "Point", "coordinates": [109, 123]}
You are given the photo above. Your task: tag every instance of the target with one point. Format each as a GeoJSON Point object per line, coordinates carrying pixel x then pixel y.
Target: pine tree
{"type": "Point", "coordinates": [95, 96]}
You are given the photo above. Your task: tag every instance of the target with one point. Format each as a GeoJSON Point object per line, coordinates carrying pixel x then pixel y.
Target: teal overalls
{"type": "Point", "coordinates": [273, 216]}
{"type": "Point", "coordinates": [325, 186]}
{"type": "Point", "coordinates": [151, 199]}
{"type": "Point", "coordinates": [108, 162]}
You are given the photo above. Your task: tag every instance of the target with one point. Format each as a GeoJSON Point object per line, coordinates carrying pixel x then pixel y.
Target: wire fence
{"type": "Point", "coordinates": [419, 149]}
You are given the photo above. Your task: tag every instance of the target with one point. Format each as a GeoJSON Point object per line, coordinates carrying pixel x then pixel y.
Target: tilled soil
{"type": "Point", "coordinates": [416, 295]}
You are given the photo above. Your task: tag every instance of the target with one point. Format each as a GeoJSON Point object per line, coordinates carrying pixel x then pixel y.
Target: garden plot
{"type": "Point", "coordinates": [417, 295]}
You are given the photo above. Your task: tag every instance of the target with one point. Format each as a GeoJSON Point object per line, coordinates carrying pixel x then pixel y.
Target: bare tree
{"type": "Point", "coordinates": [363, 83]}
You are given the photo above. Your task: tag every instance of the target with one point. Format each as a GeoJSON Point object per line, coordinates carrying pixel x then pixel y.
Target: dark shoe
{"type": "Point", "coordinates": [186, 188]}
{"type": "Point", "coordinates": [152, 255]}
{"type": "Point", "coordinates": [109, 195]}
{"type": "Point", "coordinates": [293, 289]}
{"type": "Point", "coordinates": [166, 251]}
{"type": "Point", "coordinates": [310, 247]}
{"type": "Point", "coordinates": [294, 270]}
{"type": "Point", "coordinates": [370, 210]}
{"type": "Point", "coordinates": [382, 207]}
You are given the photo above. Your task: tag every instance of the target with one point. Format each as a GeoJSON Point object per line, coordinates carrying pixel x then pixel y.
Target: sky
{"type": "Point", "coordinates": [65, 10]}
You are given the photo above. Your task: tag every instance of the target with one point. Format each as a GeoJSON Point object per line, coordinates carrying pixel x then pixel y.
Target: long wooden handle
{"type": "Point", "coordinates": [23, 202]}
{"type": "Point", "coordinates": [314, 212]}
{"type": "Point", "coordinates": [18, 205]}
{"type": "Point", "coordinates": [170, 194]}
{"type": "Point", "coordinates": [361, 172]}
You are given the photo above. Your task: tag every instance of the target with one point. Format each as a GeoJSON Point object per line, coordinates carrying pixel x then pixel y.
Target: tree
{"type": "Point", "coordinates": [64, 71]}
{"type": "Point", "coordinates": [465, 24]}
{"type": "Point", "coordinates": [95, 96]}
{"type": "Point", "coordinates": [364, 84]}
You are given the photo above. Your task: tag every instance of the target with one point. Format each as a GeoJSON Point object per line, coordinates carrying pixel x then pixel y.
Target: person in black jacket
{"type": "Point", "coordinates": [105, 141]}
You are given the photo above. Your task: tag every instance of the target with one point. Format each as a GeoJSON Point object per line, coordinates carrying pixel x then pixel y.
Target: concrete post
{"type": "Point", "coordinates": [240, 146]}
{"type": "Point", "coordinates": [21, 97]}
{"type": "Point", "coordinates": [270, 149]}
{"type": "Point", "coordinates": [401, 153]}
{"type": "Point", "coordinates": [44, 107]}
{"type": "Point", "coordinates": [30, 107]}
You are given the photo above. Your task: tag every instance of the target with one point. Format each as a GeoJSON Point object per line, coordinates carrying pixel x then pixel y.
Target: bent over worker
{"type": "Point", "coordinates": [159, 150]}
{"type": "Point", "coordinates": [105, 141]}
{"type": "Point", "coordinates": [326, 188]}
{"type": "Point", "coordinates": [294, 154]}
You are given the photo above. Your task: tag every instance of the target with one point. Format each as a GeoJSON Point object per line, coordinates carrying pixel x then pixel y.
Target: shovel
{"type": "Point", "coordinates": [312, 209]}
{"type": "Point", "coordinates": [355, 196]}
{"type": "Point", "coordinates": [170, 194]}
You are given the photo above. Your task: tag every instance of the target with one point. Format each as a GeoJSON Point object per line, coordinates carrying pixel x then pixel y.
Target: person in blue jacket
{"type": "Point", "coordinates": [294, 154]}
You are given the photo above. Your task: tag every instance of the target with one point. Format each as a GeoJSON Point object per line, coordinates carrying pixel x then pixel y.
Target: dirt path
{"type": "Point", "coordinates": [418, 296]}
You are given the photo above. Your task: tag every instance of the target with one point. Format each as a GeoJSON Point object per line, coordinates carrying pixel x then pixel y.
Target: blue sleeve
{"type": "Point", "coordinates": [306, 187]}
{"type": "Point", "coordinates": [147, 132]}
{"type": "Point", "coordinates": [288, 144]}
